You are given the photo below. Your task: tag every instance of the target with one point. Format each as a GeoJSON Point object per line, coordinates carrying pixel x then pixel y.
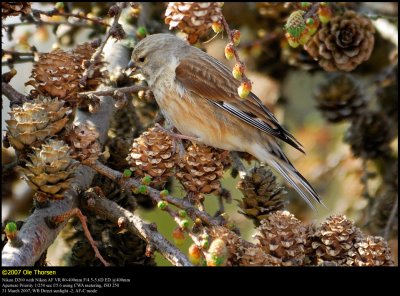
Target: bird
{"type": "Point", "coordinates": [197, 94]}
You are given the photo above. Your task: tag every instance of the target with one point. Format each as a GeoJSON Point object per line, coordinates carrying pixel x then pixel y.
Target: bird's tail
{"type": "Point", "coordinates": [280, 163]}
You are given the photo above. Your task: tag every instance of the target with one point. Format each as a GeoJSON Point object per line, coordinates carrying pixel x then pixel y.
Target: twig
{"type": "Point", "coordinates": [113, 91]}
{"type": "Point", "coordinates": [54, 12]}
{"type": "Point", "coordinates": [15, 97]}
{"type": "Point", "coordinates": [17, 53]}
{"type": "Point", "coordinates": [40, 23]}
{"type": "Point", "coordinates": [113, 212]}
{"type": "Point", "coordinates": [17, 57]}
{"type": "Point", "coordinates": [391, 218]}
{"type": "Point", "coordinates": [154, 194]}
{"type": "Point", "coordinates": [170, 211]}
{"type": "Point", "coordinates": [17, 61]}
{"type": "Point", "coordinates": [96, 56]}
{"type": "Point", "coordinates": [235, 52]}
{"type": "Point", "coordinates": [77, 212]}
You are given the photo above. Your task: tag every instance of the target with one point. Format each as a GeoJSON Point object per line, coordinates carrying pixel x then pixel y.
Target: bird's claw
{"type": "Point", "coordinates": [175, 135]}
{"type": "Point", "coordinates": [178, 147]}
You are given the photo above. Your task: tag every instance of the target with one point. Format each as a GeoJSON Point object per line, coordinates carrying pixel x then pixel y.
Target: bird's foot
{"type": "Point", "coordinates": [177, 144]}
{"type": "Point", "coordinates": [176, 135]}
{"type": "Point", "coordinates": [178, 147]}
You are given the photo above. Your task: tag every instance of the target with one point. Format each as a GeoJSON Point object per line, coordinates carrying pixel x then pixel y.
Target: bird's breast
{"type": "Point", "coordinates": [195, 116]}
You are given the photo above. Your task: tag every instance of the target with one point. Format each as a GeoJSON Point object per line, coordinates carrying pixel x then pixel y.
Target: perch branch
{"type": "Point", "coordinates": [12, 57]}
{"type": "Point", "coordinates": [17, 53]}
{"type": "Point", "coordinates": [154, 194]}
{"type": "Point", "coordinates": [40, 23]}
{"type": "Point", "coordinates": [113, 91]}
{"type": "Point", "coordinates": [15, 97]}
{"type": "Point", "coordinates": [113, 212]}
{"type": "Point", "coordinates": [54, 12]}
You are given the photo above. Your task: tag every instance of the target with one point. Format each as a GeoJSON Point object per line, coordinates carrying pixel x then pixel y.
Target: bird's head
{"type": "Point", "coordinates": [154, 51]}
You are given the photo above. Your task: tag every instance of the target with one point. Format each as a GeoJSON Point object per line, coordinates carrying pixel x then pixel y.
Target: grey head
{"type": "Point", "coordinates": [156, 50]}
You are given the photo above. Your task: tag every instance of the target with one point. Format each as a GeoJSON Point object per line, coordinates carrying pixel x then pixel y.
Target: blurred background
{"type": "Point", "coordinates": [351, 163]}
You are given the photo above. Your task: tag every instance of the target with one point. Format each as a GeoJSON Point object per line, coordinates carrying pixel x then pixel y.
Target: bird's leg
{"type": "Point", "coordinates": [176, 135]}
{"type": "Point", "coordinates": [177, 146]}
{"type": "Point", "coordinates": [176, 138]}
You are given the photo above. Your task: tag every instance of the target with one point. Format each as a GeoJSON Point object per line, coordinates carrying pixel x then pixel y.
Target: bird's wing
{"type": "Point", "coordinates": [210, 79]}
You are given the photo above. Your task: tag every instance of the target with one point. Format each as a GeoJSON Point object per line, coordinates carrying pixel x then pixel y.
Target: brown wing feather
{"type": "Point", "coordinates": [218, 85]}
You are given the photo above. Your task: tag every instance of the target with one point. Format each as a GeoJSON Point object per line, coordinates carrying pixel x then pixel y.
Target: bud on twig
{"type": "Point", "coordinates": [229, 51]}
{"type": "Point", "coordinates": [217, 27]}
{"type": "Point", "coordinates": [236, 37]}
{"type": "Point", "coordinates": [11, 232]}
{"type": "Point", "coordinates": [244, 89]}
{"type": "Point", "coordinates": [195, 254]}
{"type": "Point", "coordinates": [162, 205]}
{"type": "Point", "coordinates": [179, 236]}
{"type": "Point", "coordinates": [238, 71]}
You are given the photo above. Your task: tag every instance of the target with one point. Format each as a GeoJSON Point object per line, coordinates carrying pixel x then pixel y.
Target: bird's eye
{"type": "Point", "coordinates": [141, 59]}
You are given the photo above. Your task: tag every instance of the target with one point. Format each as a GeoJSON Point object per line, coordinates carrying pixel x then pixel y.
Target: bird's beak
{"type": "Point", "coordinates": [132, 66]}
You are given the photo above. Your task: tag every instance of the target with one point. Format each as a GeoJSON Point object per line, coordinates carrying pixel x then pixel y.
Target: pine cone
{"type": "Point", "coordinates": [370, 135]}
{"type": "Point", "coordinates": [201, 169]}
{"type": "Point", "coordinates": [58, 74]}
{"type": "Point", "coordinates": [119, 247]}
{"type": "Point", "coordinates": [283, 237]}
{"type": "Point", "coordinates": [153, 154]}
{"type": "Point", "coordinates": [82, 254]}
{"type": "Point", "coordinates": [124, 248]}
{"type": "Point", "coordinates": [50, 169]}
{"type": "Point", "coordinates": [83, 141]}
{"type": "Point", "coordinates": [240, 252]}
{"type": "Point", "coordinates": [83, 53]}
{"type": "Point", "coordinates": [36, 121]}
{"type": "Point", "coordinates": [262, 195]}
{"type": "Point", "coordinates": [343, 43]}
{"type": "Point", "coordinates": [371, 251]}
{"type": "Point", "coordinates": [113, 191]}
{"type": "Point", "coordinates": [340, 98]}
{"type": "Point", "coordinates": [124, 127]}
{"type": "Point", "coordinates": [255, 256]}
{"type": "Point", "coordinates": [334, 240]}
{"type": "Point", "coordinates": [14, 8]}
{"type": "Point", "coordinates": [217, 254]}
{"type": "Point", "coordinates": [193, 18]}
{"type": "Point", "coordinates": [295, 25]}
{"type": "Point", "coordinates": [232, 241]}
